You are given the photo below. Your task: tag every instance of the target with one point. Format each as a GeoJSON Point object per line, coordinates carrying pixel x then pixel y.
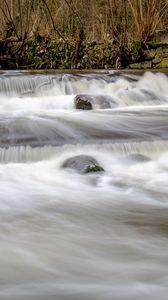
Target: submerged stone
{"type": "Point", "coordinates": [136, 158]}
{"type": "Point", "coordinates": [83, 164]}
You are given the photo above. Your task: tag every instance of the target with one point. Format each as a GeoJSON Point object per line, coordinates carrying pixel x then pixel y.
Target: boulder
{"type": "Point", "coordinates": [162, 64]}
{"type": "Point", "coordinates": [97, 101]}
{"type": "Point", "coordinates": [82, 102]}
{"type": "Point", "coordinates": [150, 54]}
{"type": "Point", "coordinates": [83, 164]}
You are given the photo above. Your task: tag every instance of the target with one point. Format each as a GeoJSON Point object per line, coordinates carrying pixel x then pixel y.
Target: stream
{"type": "Point", "coordinates": [71, 236]}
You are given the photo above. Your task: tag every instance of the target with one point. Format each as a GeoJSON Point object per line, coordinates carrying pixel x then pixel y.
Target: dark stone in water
{"type": "Point", "coordinates": [87, 102]}
{"type": "Point", "coordinates": [83, 164]}
{"type": "Point", "coordinates": [82, 102]}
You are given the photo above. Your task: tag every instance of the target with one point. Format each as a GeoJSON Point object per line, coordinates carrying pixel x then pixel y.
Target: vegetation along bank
{"type": "Point", "coordinates": [65, 34]}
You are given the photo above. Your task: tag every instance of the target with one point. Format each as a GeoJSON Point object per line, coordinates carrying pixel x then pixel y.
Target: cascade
{"type": "Point", "coordinates": [72, 236]}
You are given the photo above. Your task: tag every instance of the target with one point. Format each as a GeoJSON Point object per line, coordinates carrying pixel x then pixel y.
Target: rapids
{"type": "Point", "coordinates": [67, 236]}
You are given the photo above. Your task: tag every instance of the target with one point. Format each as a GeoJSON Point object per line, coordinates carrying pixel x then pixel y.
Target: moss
{"type": "Point", "coordinates": [150, 54]}
{"type": "Point", "coordinates": [154, 45]}
{"type": "Point", "coordinates": [161, 53]}
{"type": "Point", "coordinates": [163, 63]}
{"type": "Point", "coordinates": [141, 65]}
{"type": "Point", "coordinates": [95, 168]}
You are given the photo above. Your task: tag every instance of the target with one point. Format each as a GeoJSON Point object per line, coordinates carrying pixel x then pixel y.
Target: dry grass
{"type": "Point", "coordinates": [147, 16]}
{"type": "Point", "coordinates": [101, 20]}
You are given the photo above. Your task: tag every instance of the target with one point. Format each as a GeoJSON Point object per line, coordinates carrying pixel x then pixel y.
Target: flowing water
{"type": "Point", "coordinates": [68, 236]}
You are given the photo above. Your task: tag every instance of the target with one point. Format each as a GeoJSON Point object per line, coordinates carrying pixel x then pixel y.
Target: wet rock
{"type": "Point", "coordinates": [82, 102]}
{"type": "Point", "coordinates": [94, 101]}
{"type": "Point", "coordinates": [83, 164]}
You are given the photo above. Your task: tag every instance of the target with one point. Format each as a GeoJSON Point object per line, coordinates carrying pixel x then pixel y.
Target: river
{"type": "Point", "coordinates": [71, 236]}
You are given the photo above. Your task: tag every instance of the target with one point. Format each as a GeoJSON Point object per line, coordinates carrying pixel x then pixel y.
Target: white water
{"type": "Point", "coordinates": [69, 236]}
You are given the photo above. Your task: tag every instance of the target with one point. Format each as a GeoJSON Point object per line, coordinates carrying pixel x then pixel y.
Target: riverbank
{"type": "Point", "coordinates": [43, 53]}
{"type": "Point", "coordinates": [155, 57]}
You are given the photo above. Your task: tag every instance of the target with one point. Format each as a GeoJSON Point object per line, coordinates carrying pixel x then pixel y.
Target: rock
{"type": "Point", "coordinates": [83, 164]}
{"type": "Point", "coordinates": [163, 63]}
{"type": "Point", "coordinates": [162, 52]}
{"type": "Point", "coordinates": [150, 54]}
{"type": "Point", "coordinates": [96, 101]}
{"type": "Point", "coordinates": [156, 61]}
{"type": "Point", "coordinates": [141, 65]}
{"type": "Point", "coordinates": [82, 102]}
